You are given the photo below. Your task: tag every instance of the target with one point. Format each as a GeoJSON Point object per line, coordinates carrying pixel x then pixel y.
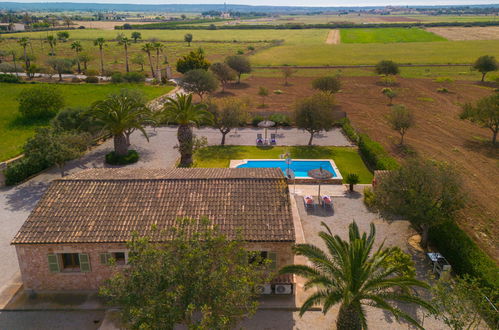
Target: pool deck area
{"type": "Point", "coordinates": [337, 179]}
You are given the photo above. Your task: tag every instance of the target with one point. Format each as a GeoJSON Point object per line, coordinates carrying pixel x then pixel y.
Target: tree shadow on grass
{"type": "Point", "coordinates": [240, 85]}
{"type": "Point", "coordinates": [26, 123]}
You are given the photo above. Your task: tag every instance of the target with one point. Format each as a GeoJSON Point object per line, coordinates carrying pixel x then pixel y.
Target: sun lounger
{"type": "Point", "coordinates": [272, 139]}
{"type": "Point", "coordinates": [326, 201]}
{"type": "Point", "coordinates": [259, 140]}
{"type": "Point", "coordinates": [308, 201]}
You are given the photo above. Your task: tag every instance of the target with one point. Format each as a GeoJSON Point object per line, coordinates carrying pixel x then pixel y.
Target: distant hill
{"type": "Point", "coordinates": [193, 8]}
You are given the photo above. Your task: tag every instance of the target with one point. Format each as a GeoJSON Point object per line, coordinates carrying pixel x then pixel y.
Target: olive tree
{"type": "Point", "coordinates": [390, 93]}
{"type": "Point", "coordinates": [400, 119]}
{"type": "Point", "coordinates": [287, 73]}
{"type": "Point", "coordinates": [199, 81]}
{"type": "Point", "coordinates": [198, 279]}
{"type": "Point", "coordinates": [485, 113]}
{"type": "Point", "coordinates": [240, 64]}
{"type": "Point", "coordinates": [315, 114]}
{"type": "Point", "coordinates": [224, 73]}
{"type": "Point", "coordinates": [263, 93]}
{"type": "Point", "coordinates": [60, 65]}
{"type": "Point", "coordinates": [485, 64]}
{"type": "Point", "coordinates": [188, 38]}
{"type": "Point", "coordinates": [228, 113]}
{"type": "Point", "coordinates": [387, 67]}
{"type": "Point", "coordinates": [426, 192]}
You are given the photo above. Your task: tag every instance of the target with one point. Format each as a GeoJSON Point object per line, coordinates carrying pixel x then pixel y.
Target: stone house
{"type": "Point", "coordinates": [84, 219]}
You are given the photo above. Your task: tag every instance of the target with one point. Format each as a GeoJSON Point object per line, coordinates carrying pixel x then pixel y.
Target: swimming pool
{"type": "Point", "coordinates": [299, 167]}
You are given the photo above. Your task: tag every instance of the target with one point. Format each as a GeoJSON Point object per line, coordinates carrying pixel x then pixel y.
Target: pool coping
{"type": "Point", "coordinates": [337, 179]}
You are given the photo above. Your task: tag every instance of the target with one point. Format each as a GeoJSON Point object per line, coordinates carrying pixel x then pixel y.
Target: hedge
{"type": "Point", "coordinates": [463, 254]}
{"type": "Point", "coordinates": [113, 159]}
{"type": "Point", "coordinates": [21, 170]}
{"type": "Point", "coordinates": [10, 78]}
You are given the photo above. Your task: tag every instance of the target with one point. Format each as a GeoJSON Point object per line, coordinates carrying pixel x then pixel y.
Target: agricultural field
{"type": "Point", "coordinates": [14, 131]}
{"type": "Point", "coordinates": [438, 133]}
{"type": "Point", "coordinates": [387, 35]}
{"type": "Point", "coordinates": [467, 33]}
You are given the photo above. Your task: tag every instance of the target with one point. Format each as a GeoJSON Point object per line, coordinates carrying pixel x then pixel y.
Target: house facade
{"type": "Point", "coordinates": [85, 219]}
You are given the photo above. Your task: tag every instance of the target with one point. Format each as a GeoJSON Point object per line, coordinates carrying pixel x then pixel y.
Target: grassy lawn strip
{"type": "Point", "coordinates": [347, 159]}
{"type": "Point", "coordinates": [14, 132]}
{"type": "Point", "coordinates": [387, 35]}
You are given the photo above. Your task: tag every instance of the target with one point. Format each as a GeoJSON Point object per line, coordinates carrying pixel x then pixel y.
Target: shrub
{"type": "Point", "coordinates": [240, 52]}
{"type": "Point", "coordinates": [463, 254]}
{"type": "Point", "coordinates": [442, 90]}
{"type": "Point", "coordinates": [328, 84]}
{"type": "Point", "coordinates": [130, 158]}
{"type": "Point", "coordinates": [387, 67]}
{"type": "Point", "coordinates": [349, 130]}
{"type": "Point", "coordinates": [388, 81]}
{"type": "Point", "coordinates": [444, 80]}
{"type": "Point", "coordinates": [134, 77]}
{"type": "Point", "coordinates": [91, 72]}
{"type": "Point", "coordinates": [280, 119]}
{"type": "Point", "coordinates": [7, 67]}
{"type": "Point", "coordinates": [278, 92]}
{"type": "Point", "coordinates": [92, 80]}
{"type": "Point", "coordinates": [117, 78]}
{"type": "Point", "coordinates": [256, 119]}
{"type": "Point", "coordinates": [76, 80]}
{"type": "Point", "coordinates": [251, 48]}
{"type": "Point", "coordinates": [369, 198]}
{"type": "Point", "coordinates": [352, 179]}
{"type": "Point", "coordinates": [375, 155]}
{"type": "Point", "coordinates": [402, 261]}
{"type": "Point", "coordinates": [21, 170]}
{"type": "Point", "coordinates": [10, 78]}
{"type": "Point", "coordinates": [40, 102]}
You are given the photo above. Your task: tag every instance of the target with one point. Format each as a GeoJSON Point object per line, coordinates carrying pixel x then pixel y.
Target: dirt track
{"type": "Point", "coordinates": [467, 33]}
{"type": "Point", "coordinates": [439, 133]}
{"type": "Point", "coordinates": [333, 37]}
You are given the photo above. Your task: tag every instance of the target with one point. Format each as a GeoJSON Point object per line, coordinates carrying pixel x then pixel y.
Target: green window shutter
{"type": "Point", "coordinates": [84, 262]}
{"type": "Point", "coordinates": [273, 260]}
{"type": "Point", "coordinates": [104, 258]}
{"type": "Point", "coordinates": [53, 263]}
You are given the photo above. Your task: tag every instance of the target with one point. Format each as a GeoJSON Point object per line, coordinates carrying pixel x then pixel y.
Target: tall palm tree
{"type": "Point", "coordinates": [158, 47]}
{"type": "Point", "coordinates": [125, 42]}
{"type": "Point", "coordinates": [182, 111]}
{"type": "Point", "coordinates": [100, 42]}
{"type": "Point", "coordinates": [52, 41]}
{"type": "Point", "coordinates": [24, 42]}
{"type": "Point", "coordinates": [77, 47]}
{"type": "Point", "coordinates": [148, 48]}
{"type": "Point", "coordinates": [121, 113]}
{"type": "Point", "coordinates": [349, 275]}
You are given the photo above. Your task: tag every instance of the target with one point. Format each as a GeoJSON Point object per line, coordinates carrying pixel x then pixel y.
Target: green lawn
{"type": "Point", "coordinates": [13, 133]}
{"type": "Point", "coordinates": [347, 159]}
{"type": "Point", "coordinates": [387, 35]}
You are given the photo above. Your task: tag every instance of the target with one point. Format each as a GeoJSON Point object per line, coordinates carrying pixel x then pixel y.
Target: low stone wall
{"type": "Point", "coordinates": [3, 166]}
{"type": "Point", "coordinates": [315, 181]}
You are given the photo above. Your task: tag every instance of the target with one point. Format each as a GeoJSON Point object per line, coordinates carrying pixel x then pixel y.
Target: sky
{"type": "Point", "coordinates": [308, 3]}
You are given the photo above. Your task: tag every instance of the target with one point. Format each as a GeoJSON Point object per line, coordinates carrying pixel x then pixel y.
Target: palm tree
{"type": "Point", "coordinates": [52, 41]}
{"type": "Point", "coordinates": [24, 42]}
{"type": "Point", "coordinates": [148, 48]}
{"type": "Point", "coordinates": [100, 42]}
{"type": "Point", "coordinates": [77, 47]}
{"type": "Point", "coordinates": [348, 275]}
{"type": "Point", "coordinates": [182, 111]}
{"type": "Point", "coordinates": [120, 114]}
{"type": "Point", "coordinates": [125, 42]}
{"type": "Point", "coordinates": [159, 48]}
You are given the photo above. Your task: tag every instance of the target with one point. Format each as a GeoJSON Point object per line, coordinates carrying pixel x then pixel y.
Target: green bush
{"type": "Point", "coordinates": [10, 78]}
{"type": "Point", "coordinates": [21, 170]}
{"type": "Point", "coordinates": [463, 254]}
{"type": "Point", "coordinates": [280, 119]}
{"type": "Point", "coordinates": [117, 78]}
{"type": "Point", "coordinates": [256, 119]}
{"type": "Point", "coordinates": [444, 80]}
{"type": "Point", "coordinates": [92, 80]}
{"type": "Point", "coordinates": [369, 198]}
{"type": "Point", "coordinates": [40, 102]}
{"type": "Point", "coordinates": [375, 155]}
{"type": "Point", "coordinates": [442, 90]}
{"type": "Point", "coordinates": [134, 77]}
{"type": "Point", "coordinates": [349, 130]}
{"type": "Point", "coordinates": [91, 72]}
{"type": "Point", "coordinates": [130, 158]}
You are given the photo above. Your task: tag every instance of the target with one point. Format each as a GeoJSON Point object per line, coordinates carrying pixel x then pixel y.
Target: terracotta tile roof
{"type": "Point", "coordinates": [107, 205]}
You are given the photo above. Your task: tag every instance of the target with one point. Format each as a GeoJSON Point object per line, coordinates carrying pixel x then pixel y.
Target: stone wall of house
{"type": "Point", "coordinates": [33, 262]}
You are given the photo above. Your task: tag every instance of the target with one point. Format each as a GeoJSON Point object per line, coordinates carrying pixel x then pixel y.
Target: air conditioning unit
{"type": "Point", "coordinates": [263, 289]}
{"type": "Point", "coordinates": [283, 289]}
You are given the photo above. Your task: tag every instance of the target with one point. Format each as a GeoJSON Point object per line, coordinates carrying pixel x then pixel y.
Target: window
{"type": "Point", "coordinates": [258, 257]}
{"type": "Point", "coordinates": [68, 262]}
{"type": "Point", "coordinates": [118, 258]}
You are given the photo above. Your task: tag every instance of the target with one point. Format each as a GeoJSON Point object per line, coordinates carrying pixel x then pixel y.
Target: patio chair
{"type": "Point", "coordinates": [259, 140]}
{"type": "Point", "coordinates": [308, 202]}
{"type": "Point", "coordinates": [272, 139]}
{"type": "Point", "coordinates": [326, 201]}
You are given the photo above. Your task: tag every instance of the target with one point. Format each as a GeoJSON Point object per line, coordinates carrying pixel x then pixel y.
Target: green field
{"type": "Point", "coordinates": [387, 35]}
{"type": "Point", "coordinates": [347, 159]}
{"type": "Point", "coordinates": [13, 132]}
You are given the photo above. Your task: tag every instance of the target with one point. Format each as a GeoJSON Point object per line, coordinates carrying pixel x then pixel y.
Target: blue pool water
{"type": "Point", "coordinates": [300, 167]}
